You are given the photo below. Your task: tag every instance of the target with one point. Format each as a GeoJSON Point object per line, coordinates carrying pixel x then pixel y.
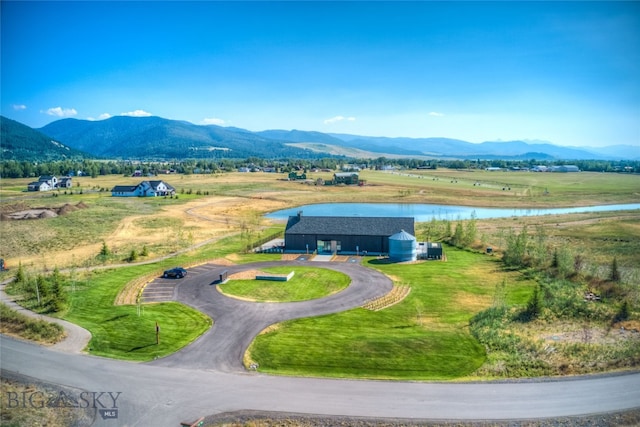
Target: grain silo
{"type": "Point", "coordinates": [402, 247]}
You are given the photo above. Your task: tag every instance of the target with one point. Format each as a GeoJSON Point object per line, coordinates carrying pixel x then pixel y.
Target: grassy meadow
{"type": "Point", "coordinates": [425, 336]}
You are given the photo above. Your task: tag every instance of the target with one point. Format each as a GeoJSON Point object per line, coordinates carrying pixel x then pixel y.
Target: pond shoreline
{"type": "Point", "coordinates": [425, 212]}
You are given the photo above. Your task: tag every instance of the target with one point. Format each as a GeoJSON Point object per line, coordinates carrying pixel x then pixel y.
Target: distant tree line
{"type": "Point", "coordinates": [94, 168]}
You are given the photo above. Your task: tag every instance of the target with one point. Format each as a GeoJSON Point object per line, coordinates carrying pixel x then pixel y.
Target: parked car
{"type": "Point", "coordinates": [177, 273]}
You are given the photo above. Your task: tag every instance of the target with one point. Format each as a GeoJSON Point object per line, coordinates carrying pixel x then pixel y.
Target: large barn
{"type": "Point", "coordinates": [342, 234]}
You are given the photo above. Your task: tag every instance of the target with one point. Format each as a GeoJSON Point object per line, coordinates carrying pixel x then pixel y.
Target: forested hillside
{"type": "Point", "coordinates": [20, 142]}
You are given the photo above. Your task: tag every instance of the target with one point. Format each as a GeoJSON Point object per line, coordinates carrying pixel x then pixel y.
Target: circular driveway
{"type": "Point", "coordinates": [237, 322]}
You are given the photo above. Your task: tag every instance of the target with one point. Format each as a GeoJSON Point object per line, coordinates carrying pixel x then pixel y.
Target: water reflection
{"type": "Point", "coordinates": [425, 212]}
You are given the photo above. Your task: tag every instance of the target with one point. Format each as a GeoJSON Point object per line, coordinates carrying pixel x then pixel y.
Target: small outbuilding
{"type": "Point", "coordinates": [430, 250]}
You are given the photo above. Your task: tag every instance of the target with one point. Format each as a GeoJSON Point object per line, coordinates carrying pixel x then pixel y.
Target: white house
{"type": "Point", "coordinates": [65, 182]}
{"type": "Point", "coordinates": [144, 189]}
{"type": "Point", "coordinates": [49, 179]}
{"type": "Point", "coordinates": [49, 182]}
{"type": "Point", "coordinates": [38, 186]}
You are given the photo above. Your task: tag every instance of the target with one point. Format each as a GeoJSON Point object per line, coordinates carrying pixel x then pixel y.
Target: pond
{"type": "Point", "coordinates": [425, 212]}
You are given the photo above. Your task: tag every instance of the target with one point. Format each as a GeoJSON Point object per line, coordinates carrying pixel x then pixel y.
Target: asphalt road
{"type": "Point", "coordinates": [207, 377]}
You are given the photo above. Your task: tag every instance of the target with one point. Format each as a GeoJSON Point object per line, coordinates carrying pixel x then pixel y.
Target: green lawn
{"type": "Point", "coordinates": [120, 331]}
{"type": "Point", "coordinates": [424, 337]}
{"type": "Point", "coordinates": [307, 283]}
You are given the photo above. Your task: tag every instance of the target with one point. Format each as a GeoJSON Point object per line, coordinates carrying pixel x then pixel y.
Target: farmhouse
{"type": "Point", "coordinates": [38, 186]}
{"type": "Point", "coordinates": [49, 182]}
{"type": "Point", "coordinates": [65, 182]}
{"type": "Point", "coordinates": [348, 178]}
{"type": "Point", "coordinates": [338, 234]}
{"type": "Point", "coordinates": [144, 189]}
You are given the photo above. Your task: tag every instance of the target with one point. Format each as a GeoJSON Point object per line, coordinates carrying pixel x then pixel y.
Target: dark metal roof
{"type": "Point", "coordinates": [124, 188]}
{"type": "Point", "coordinates": [349, 225]}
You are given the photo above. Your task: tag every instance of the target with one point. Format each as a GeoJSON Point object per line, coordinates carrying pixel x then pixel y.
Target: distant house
{"type": "Point", "coordinates": [539, 168]}
{"type": "Point", "coordinates": [47, 182]}
{"type": "Point", "coordinates": [564, 168]}
{"type": "Point", "coordinates": [38, 186]}
{"type": "Point", "coordinates": [65, 182]}
{"type": "Point", "coordinates": [348, 178]}
{"type": "Point", "coordinates": [144, 189]}
{"type": "Point", "coordinates": [49, 179]}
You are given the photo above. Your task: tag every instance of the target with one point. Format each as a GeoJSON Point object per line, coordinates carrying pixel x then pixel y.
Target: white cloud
{"type": "Point", "coordinates": [61, 112]}
{"type": "Point", "coordinates": [19, 107]}
{"type": "Point", "coordinates": [339, 119]}
{"type": "Point", "coordinates": [137, 113]}
{"type": "Point", "coordinates": [102, 116]}
{"type": "Point", "coordinates": [436, 114]}
{"type": "Point", "coordinates": [212, 121]}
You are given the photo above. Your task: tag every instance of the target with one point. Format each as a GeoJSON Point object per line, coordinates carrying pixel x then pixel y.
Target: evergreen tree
{"type": "Point", "coordinates": [104, 251]}
{"type": "Point", "coordinates": [458, 235]}
{"type": "Point", "coordinates": [20, 274]}
{"type": "Point", "coordinates": [534, 305]}
{"type": "Point", "coordinates": [471, 230]}
{"type": "Point", "coordinates": [59, 296]}
{"type": "Point", "coordinates": [614, 275]}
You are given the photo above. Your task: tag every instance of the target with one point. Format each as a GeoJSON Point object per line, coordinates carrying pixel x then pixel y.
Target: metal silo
{"type": "Point", "coordinates": [403, 247]}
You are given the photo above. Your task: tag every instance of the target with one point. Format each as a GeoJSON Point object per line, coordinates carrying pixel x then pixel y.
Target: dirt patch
{"type": "Point", "coordinates": [222, 261]}
{"type": "Point", "coordinates": [247, 275]}
{"type": "Point", "coordinates": [22, 212]}
{"type": "Point", "coordinates": [622, 331]}
{"type": "Point", "coordinates": [282, 419]}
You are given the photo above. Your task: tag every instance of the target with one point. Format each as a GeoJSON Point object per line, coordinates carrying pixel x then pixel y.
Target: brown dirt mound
{"type": "Point", "coordinates": [47, 214]}
{"type": "Point", "coordinates": [22, 211]}
{"type": "Point", "coordinates": [67, 208]}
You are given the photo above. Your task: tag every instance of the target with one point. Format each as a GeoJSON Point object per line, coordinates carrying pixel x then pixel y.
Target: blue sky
{"type": "Point", "coordinates": [568, 73]}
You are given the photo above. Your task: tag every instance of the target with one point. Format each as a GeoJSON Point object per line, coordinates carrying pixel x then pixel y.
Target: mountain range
{"type": "Point", "coordinates": [156, 138]}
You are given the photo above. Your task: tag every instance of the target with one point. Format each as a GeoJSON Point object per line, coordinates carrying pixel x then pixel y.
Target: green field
{"type": "Point", "coordinates": [425, 336]}
{"type": "Point", "coordinates": [128, 332]}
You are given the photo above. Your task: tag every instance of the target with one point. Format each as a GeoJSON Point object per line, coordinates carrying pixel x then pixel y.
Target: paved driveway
{"type": "Point", "coordinates": [237, 322]}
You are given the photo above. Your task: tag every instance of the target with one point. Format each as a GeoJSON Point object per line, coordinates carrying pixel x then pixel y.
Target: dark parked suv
{"type": "Point", "coordinates": [177, 272]}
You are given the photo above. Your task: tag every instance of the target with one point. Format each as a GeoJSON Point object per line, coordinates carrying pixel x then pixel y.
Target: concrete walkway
{"type": "Point", "coordinates": [76, 338]}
